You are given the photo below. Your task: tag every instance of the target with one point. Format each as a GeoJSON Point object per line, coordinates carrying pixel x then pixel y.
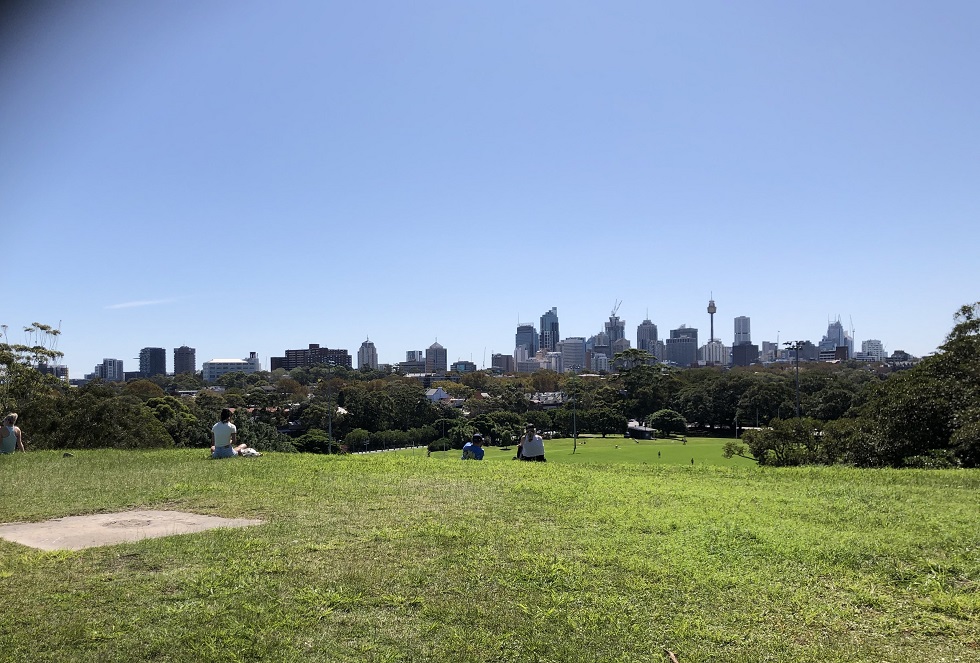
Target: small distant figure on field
{"type": "Point", "coordinates": [684, 439]}
{"type": "Point", "coordinates": [473, 450]}
{"type": "Point", "coordinates": [532, 445]}
{"type": "Point", "coordinates": [224, 437]}
{"type": "Point", "coordinates": [11, 439]}
{"type": "Point", "coordinates": [692, 461]}
{"type": "Point", "coordinates": [658, 454]}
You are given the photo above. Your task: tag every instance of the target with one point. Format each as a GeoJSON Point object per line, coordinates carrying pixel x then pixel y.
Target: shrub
{"type": "Point", "coordinates": [442, 444]}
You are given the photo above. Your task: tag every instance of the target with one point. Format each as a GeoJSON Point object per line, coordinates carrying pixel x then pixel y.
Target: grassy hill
{"type": "Point", "coordinates": [403, 557]}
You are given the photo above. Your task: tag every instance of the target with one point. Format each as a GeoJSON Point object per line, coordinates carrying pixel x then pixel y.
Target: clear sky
{"type": "Point", "coordinates": [256, 176]}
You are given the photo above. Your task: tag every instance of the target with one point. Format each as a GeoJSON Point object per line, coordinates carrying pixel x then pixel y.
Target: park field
{"type": "Point", "coordinates": [617, 449]}
{"type": "Point", "coordinates": [404, 557]}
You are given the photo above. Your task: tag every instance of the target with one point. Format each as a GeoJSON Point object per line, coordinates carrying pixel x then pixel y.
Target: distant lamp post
{"type": "Point", "coordinates": [796, 346]}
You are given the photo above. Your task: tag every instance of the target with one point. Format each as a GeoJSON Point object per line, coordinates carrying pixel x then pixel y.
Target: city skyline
{"type": "Point", "coordinates": [246, 177]}
{"type": "Point", "coordinates": [645, 330]}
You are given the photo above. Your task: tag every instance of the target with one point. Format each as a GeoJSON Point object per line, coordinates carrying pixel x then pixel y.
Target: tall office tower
{"type": "Point", "coordinates": [711, 312]}
{"type": "Point", "coordinates": [526, 337]}
{"type": "Point", "coordinates": [111, 370]}
{"type": "Point", "coordinates": [599, 345]}
{"type": "Point", "coordinates": [549, 330]}
{"type": "Point", "coordinates": [502, 363]}
{"type": "Point", "coordinates": [742, 333]}
{"type": "Point", "coordinates": [415, 355]}
{"type": "Point", "coordinates": [770, 351]}
{"type": "Point", "coordinates": [153, 361]}
{"type": "Point", "coordinates": [682, 346]}
{"type": "Point", "coordinates": [367, 356]}
{"type": "Point", "coordinates": [646, 336]}
{"type": "Point", "coordinates": [435, 359]}
{"type": "Point", "coordinates": [573, 354]}
{"type": "Point", "coordinates": [600, 363]}
{"type": "Point", "coordinates": [615, 328]}
{"type": "Point", "coordinates": [743, 352]}
{"type": "Point", "coordinates": [836, 337]}
{"type": "Point", "coordinates": [185, 360]}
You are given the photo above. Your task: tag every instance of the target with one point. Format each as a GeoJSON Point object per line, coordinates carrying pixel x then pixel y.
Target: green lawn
{"type": "Point", "coordinates": [402, 557]}
{"type": "Point", "coordinates": [617, 449]}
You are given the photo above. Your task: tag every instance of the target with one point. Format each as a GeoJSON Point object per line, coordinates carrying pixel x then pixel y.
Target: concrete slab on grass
{"type": "Point", "coordinates": [103, 529]}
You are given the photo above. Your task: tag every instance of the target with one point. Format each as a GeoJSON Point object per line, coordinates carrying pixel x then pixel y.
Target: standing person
{"type": "Point", "coordinates": [224, 437]}
{"type": "Point", "coordinates": [532, 446]}
{"type": "Point", "coordinates": [10, 437]}
{"type": "Point", "coordinates": [474, 450]}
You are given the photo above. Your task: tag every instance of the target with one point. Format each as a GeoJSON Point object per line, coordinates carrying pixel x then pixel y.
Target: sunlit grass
{"type": "Point", "coordinates": [400, 557]}
{"type": "Point", "coordinates": [617, 449]}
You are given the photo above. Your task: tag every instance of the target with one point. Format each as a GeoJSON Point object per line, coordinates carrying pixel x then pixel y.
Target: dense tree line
{"type": "Point", "coordinates": [927, 416]}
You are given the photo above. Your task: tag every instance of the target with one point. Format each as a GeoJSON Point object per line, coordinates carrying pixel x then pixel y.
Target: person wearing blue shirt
{"type": "Point", "coordinates": [474, 450]}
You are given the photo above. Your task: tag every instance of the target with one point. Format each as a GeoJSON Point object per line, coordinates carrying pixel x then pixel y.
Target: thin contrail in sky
{"type": "Point", "coordinates": [147, 302]}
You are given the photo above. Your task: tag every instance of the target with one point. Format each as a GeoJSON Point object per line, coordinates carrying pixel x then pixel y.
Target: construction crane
{"type": "Point", "coordinates": [615, 308]}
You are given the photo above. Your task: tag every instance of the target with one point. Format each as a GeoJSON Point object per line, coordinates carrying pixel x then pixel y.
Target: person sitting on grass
{"type": "Point", "coordinates": [532, 446]}
{"type": "Point", "coordinates": [224, 437]}
{"type": "Point", "coordinates": [12, 439]}
{"type": "Point", "coordinates": [474, 450]}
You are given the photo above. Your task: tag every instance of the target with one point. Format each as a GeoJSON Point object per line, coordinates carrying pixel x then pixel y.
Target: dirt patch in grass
{"type": "Point", "coordinates": [103, 529]}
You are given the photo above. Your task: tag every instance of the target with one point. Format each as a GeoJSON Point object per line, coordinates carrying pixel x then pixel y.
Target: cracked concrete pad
{"type": "Point", "coordinates": [103, 529]}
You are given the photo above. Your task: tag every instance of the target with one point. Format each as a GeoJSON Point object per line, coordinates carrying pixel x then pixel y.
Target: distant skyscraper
{"type": "Point", "coordinates": [573, 354]}
{"type": "Point", "coordinates": [714, 353]}
{"type": "Point", "coordinates": [153, 361]}
{"type": "Point", "coordinates": [415, 355]}
{"type": "Point", "coordinates": [435, 359]}
{"type": "Point", "coordinates": [549, 330]}
{"type": "Point", "coordinates": [743, 335]}
{"type": "Point", "coordinates": [836, 337]}
{"type": "Point", "coordinates": [873, 349]}
{"type": "Point", "coordinates": [682, 346]}
{"type": "Point", "coordinates": [619, 345]}
{"type": "Point", "coordinates": [367, 356]}
{"type": "Point", "coordinates": [111, 370]}
{"type": "Point", "coordinates": [185, 360]}
{"type": "Point", "coordinates": [646, 337]}
{"type": "Point", "coordinates": [502, 363]}
{"type": "Point", "coordinates": [745, 354]}
{"type": "Point", "coordinates": [526, 337]}
{"type": "Point", "coordinates": [615, 328]}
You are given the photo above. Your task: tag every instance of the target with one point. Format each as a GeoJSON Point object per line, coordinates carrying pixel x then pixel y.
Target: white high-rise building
{"type": "Point", "coordinates": [714, 352]}
{"type": "Point", "coordinates": [743, 335]}
{"type": "Point", "coordinates": [367, 356]}
{"type": "Point", "coordinates": [873, 350]}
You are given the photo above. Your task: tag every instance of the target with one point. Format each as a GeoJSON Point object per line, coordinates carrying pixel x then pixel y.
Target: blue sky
{"type": "Point", "coordinates": [246, 176]}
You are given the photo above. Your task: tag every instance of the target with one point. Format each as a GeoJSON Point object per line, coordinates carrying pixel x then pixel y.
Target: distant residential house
{"type": "Point", "coordinates": [437, 395]}
{"type": "Point", "coordinates": [547, 400]}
